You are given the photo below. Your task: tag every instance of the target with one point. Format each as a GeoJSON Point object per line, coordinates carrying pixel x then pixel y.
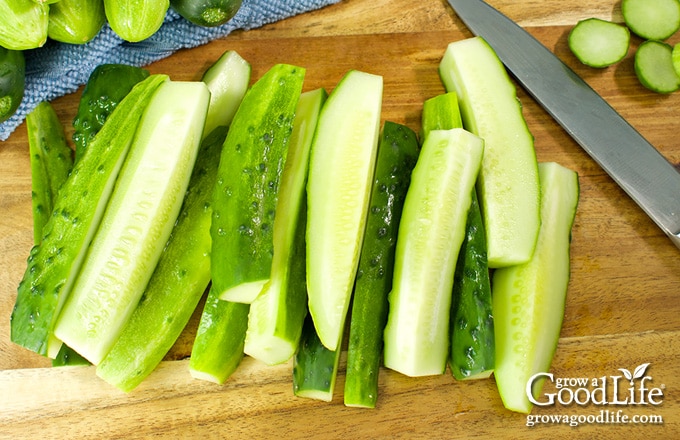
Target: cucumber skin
{"type": "Point", "coordinates": [12, 81]}
{"type": "Point", "coordinates": [51, 266]}
{"type": "Point", "coordinates": [23, 24]}
{"type": "Point", "coordinates": [440, 112]}
{"type": "Point", "coordinates": [529, 299]}
{"type": "Point", "coordinates": [107, 85]}
{"type": "Point", "coordinates": [207, 13]}
{"type": "Point", "coordinates": [177, 284]}
{"type": "Point", "coordinates": [246, 192]}
{"type": "Point", "coordinates": [137, 20]}
{"type": "Point", "coordinates": [397, 154]}
{"type": "Point", "coordinates": [51, 162]}
{"type": "Point", "coordinates": [220, 338]}
{"type": "Point", "coordinates": [472, 329]}
{"type": "Point", "coordinates": [315, 367]}
{"type": "Point", "coordinates": [75, 21]}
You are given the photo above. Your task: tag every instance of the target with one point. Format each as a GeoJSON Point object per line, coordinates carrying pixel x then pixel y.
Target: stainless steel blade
{"type": "Point", "coordinates": [634, 164]}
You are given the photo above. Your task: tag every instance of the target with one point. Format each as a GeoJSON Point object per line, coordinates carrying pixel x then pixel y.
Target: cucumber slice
{"type": "Point", "coordinates": [276, 316]}
{"type": "Point", "coordinates": [397, 154]}
{"type": "Point", "coordinates": [652, 19]}
{"type": "Point", "coordinates": [342, 163]}
{"type": "Point", "coordinates": [248, 182]}
{"type": "Point", "coordinates": [431, 232]}
{"type": "Point", "coordinates": [654, 67]}
{"type": "Point", "coordinates": [508, 181]}
{"type": "Point", "coordinates": [675, 57]}
{"type": "Point", "coordinates": [138, 220]}
{"type": "Point", "coordinates": [529, 299]}
{"type": "Point", "coordinates": [53, 265]}
{"type": "Point", "coordinates": [599, 43]}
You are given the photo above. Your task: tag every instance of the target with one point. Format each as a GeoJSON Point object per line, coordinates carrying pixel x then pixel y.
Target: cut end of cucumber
{"type": "Point", "coordinates": [244, 293]}
{"type": "Point", "coordinates": [315, 395]}
{"type": "Point", "coordinates": [599, 43]}
{"type": "Point", "coordinates": [654, 67]}
{"type": "Point", "coordinates": [269, 349]}
{"type": "Point", "coordinates": [652, 19]}
{"type": "Point", "coordinates": [208, 377]}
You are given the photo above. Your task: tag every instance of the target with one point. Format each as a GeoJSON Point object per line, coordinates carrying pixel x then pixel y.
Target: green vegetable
{"type": "Point", "coordinates": [675, 58]}
{"type": "Point", "coordinates": [135, 20]}
{"type": "Point", "coordinates": [397, 154]}
{"type": "Point", "coordinates": [107, 85]}
{"type": "Point", "coordinates": [276, 316]}
{"type": "Point", "coordinates": [431, 231]}
{"type": "Point", "coordinates": [315, 368]}
{"type": "Point", "coordinates": [23, 24]}
{"type": "Point", "coordinates": [529, 299]}
{"type": "Point", "coordinates": [52, 266]}
{"type": "Point", "coordinates": [138, 220]}
{"type": "Point", "coordinates": [599, 43]}
{"type": "Point", "coordinates": [177, 284]}
{"type": "Point", "coordinates": [440, 113]}
{"type": "Point", "coordinates": [12, 81]}
{"type": "Point", "coordinates": [68, 357]}
{"type": "Point", "coordinates": [652, 19]}
{"type": "Point", "coordinates": [75, 21]}
{"type": "Point", "coordinates": [221, 334]}
{"type": "Point", "coordinates": [508, 181]}
{"type": "Point", "coordinates": [247, 189]}
{"type": "Point", "coordinates": [342, 164]}
{"type": "Point", "coordinates": [51, 162]}
{"type": "Point", "coordinates": [654, 67]}
{"type": "Point", "coordinates": [208, 13]}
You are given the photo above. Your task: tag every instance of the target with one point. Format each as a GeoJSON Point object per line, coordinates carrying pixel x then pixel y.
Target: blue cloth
{"type": "Point", "coordinates": [57, 69]}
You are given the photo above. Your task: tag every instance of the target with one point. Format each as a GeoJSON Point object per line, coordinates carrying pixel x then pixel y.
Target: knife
{"type": "Point", "coordinates": [634, 164]}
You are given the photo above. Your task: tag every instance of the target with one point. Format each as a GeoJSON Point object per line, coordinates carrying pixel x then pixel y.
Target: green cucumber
{"type": "Point", "coordinates": [472, 354]}
{"type": "Point", "coordinates": [244, 200]}
{"type": "Point", "coordinates": [652, 19]}
{"type": "Point", "coordinates": [599, 43]}
{"type": "Point", "coordinates": [75, 21]}
{"type": "Point", "coordinates": [472, 347]}
{"type": "Point", "coordinates": [206, 13]}
{"type": "Point", "coordinates": [138, 220]}
{"type": "Point", "coordinates": [52, 266]}
{"type": "Point", "coordinates": [315, 367]}
{"type": "Point", "coordinates": [276, 316]}
{"type": "Point", "coordinates": [177, 284]}
{"type": "Point", "coordinates": [68, 357]}
{"type": "Point", "coordinates": [342, 164]}
{"type": "Point", "coordinates": [431, 232]}
{"type": "Point", "coordinates": [135, 20]}
{"type": "Point", "coordinates": [12, 81]}
{"type": "Point", "coordinates": [654, 67]}
{"type": "Point", "coordinates": [221, 335]}
{"type": "Point", "coordinates": [51, 162]}
{"type": "Point", "coordinates": [227, 79]}
{"type": "Point", "coordinates": [397, 154]}
{"type": "Point", "coordinates": [508, 187]}
{"type": "Point", "coordinates": [529, 299]}
{"type": "Point", "coordinates": [23, 24]}
{"type": "Point", "coordinates": [106, 86]}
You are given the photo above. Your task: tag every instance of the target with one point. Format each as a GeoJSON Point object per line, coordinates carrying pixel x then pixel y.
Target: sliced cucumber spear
{"type": "Point", "coordinates": [431, 232]}
{"type": "Point", "coordinates": [248, 182]}
{"type": "Point", "coordinates": [341, 170]}
{"type": "Point", "coordinates": [53, 265]}
{"type": "Point", "coordinates": [277, 314]}
{"type": "Point", "coordinates": [529, 299]}
{"type": "Point", "coordinates": [138, 220]}
{"type": "Point", "coordinates": [508, 181]}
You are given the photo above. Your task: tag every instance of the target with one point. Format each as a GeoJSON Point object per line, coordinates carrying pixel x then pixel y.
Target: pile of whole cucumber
{"type": "Point", "coordinates": [28, 24]}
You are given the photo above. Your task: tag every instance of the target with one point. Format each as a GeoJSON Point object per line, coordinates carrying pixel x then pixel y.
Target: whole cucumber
{"type": "Point", "coordinates": [12, 81]}
{"type": "Point", "coordinates": [207, 13]}
{"type": "Point", "coordinates": [23, 24]}
{"type": "Point", "coordinates": [135, 20]}
{"type": "Point", "coordinates": [76, 21]}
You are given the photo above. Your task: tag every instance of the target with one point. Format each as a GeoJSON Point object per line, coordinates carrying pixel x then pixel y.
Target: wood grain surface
{"type": "Point", "coordinates": [623, 307]}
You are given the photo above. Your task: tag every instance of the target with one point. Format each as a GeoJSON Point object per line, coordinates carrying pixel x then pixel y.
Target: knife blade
{"type": "Point", "coordinates": [629, 159]}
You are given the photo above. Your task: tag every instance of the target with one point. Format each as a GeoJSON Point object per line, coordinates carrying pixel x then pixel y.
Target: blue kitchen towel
{"type": "Point", "coordinates": [57, 69]}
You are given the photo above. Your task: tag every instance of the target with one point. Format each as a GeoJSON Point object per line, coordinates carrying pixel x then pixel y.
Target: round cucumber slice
{"type": "Point", "coordinates": [599, 43]}
{"type": "Point", "coordinates": [654, 67]}
{"type": "Point", "coordinates": [652, 19]}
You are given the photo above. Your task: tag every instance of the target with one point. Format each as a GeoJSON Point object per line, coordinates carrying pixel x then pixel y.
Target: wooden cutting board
{"type": "Point", "coordinates": [622, 307]}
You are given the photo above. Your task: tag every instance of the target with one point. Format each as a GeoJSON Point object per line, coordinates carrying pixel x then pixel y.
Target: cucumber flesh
{"type": "Point", "coordinates": [652, 19]}
{"type": "Point", "coordinates": [53, 265]}
{"type": "Point", "coordinates": [138, 220]}
{"type": "Point", "coordinates": [431, 232]}
{"type": "Point", "coordinates": [341, 169]}
{"type": "Point", "coordinates": [277, 314]}
{"type": "Point", "coordinates": [654, 67]}
{"type": "Point", "coordinates": [508, 181]}
{"type": "Point", "coordinates": [529, 299]}
{"type": "Point", "coordinates": [599, 43]}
